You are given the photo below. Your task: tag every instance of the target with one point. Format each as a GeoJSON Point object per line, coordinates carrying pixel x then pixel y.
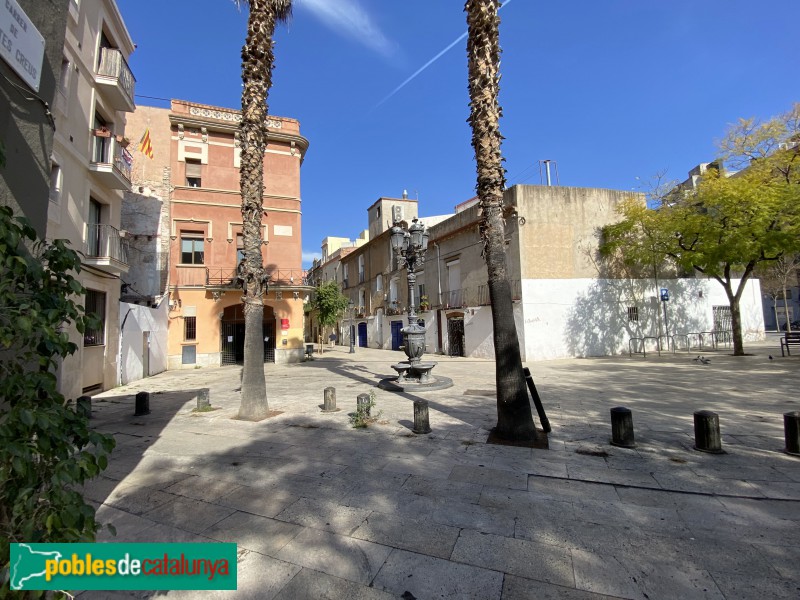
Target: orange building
{"type": "Point", "coordinates": [206, 319]}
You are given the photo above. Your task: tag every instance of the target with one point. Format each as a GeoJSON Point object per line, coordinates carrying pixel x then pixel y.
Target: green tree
{"type": "Point", "coordinates": [514, 418]}
{"type": "Point", "coordinates": [731, 221]}
{"type": "Point", "coordinates": [329, 303]}
{"type": "Point", "coordinates": [47, 450]}
{"type": "Point", "coordinates": [257, 64]}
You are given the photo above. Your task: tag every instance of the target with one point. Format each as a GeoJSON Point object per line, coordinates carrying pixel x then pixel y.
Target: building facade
{"type": "Point", "coordinates": [26, 123]}
{"type": "Point", "coordinates": [202, 232]}
{"type": "Point", "coordinates": [565, 303]}
{"type": "Point", "coordinates": [90, 169]}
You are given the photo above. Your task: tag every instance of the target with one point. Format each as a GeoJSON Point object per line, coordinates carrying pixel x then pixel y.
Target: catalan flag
{"type": "Point", "coordinates": [145, 145]}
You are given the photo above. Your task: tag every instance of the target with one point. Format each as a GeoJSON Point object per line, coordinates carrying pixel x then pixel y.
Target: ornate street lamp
{"type": "Point", "coordinates": [352, 307]}
{"type": "Point", "coordinates": [409, 248]}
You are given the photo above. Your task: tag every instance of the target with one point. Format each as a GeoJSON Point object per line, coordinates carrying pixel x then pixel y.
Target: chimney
{"type": "Point", "coordinates": [405, 194]}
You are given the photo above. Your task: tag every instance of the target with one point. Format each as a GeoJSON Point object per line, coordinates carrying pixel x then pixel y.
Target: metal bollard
{"type": "Point", "coordinates": [330, 399]}
{"type": "Point", "coordinates": [84, 406]}
{"type": "Point", "coordinates": [706, 432]}
{"type": "Point", "coordinates": [362, 404]}
{"type": "Point", "coordinates": [622, 427]}
{"type": "Point", "coordinates": [203, 400]}
{"type": "Point", "coordinates": [421, 419]}
{"type": "Point", "coordinates": [791, 430]}
{"type": "Point", "coordinates": [142, 404]}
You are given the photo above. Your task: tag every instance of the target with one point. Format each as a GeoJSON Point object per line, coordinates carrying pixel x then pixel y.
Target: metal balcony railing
{"type": "Point", "coordinates": [221, 277]}
{"type": "Point", "coordinates": [104, 241]}
{"type": "Point", "coordinates": [483, 298]}
{"type": "Point", "coordinates": [108, 151]}
{"type": "Point", "coordinates": [113, 64]}
{"type": "Point", "coordinates": [452, 299]}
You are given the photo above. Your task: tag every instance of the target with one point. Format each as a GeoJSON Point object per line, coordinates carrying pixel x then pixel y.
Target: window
{"type": "Point", "coordinates": [63, 80]}
{"type": "Point", "coordinates": [55, 183]}
{"type": "Point", "coordinates": [344, 275]}
{"type": "Point", "coordinates": [193, 173]}
{"type": "Point", "coordinates": [190, 328]}
{"type": "Point", "coordinates": [379, 283]}
{"type": "Point", "coordinates": [101, 142]}
{"type": "Point", "coordinates": [633, 313]}
{"type": "Point", "coordinates": [192, 248]}
{"type": "Point", "coordinates": [361, 269]}
{"type": "Point", "coordinates": [93, 237]}
{"type": "Point", "coordinates": [239, 248]}
{"type": "Point", "coordinates": [95, 305]}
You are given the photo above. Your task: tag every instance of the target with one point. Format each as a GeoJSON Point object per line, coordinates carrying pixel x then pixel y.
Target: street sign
{"type": "Point", "coordinates": [21, 44]}
{"type": "Point", "coordinates": [664, 294]}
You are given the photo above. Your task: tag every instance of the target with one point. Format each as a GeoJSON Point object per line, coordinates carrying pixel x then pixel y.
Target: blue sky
{"type": "Point", "coordinates": [612, 90]}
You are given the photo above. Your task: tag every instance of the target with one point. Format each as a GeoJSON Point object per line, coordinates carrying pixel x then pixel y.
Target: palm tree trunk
{"type": "Point", "coordinates": [514, 417]}
{"type": "Point", "coordinates": [257, 63]}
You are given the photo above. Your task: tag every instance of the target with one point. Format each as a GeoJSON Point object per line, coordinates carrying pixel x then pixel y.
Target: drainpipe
{"type": "Point", "coordinates": [119, 348]}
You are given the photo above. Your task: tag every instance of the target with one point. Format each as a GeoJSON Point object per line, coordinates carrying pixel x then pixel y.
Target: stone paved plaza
{"type": "Point", "coordinates": [321, 510]}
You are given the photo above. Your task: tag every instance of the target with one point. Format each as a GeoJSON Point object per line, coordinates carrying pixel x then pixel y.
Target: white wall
{"type": "Point", "coordinates": [566, 318]}
{"type": "Point", "coordinates": [134, 320]}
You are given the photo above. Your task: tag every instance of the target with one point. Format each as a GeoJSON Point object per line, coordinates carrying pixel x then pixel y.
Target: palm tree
{"type": "Point", "coordinates": [257, 63]}
{"type": "Point", "coordinates": [514, 418]}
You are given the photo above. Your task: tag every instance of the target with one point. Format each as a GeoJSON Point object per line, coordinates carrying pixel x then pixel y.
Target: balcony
{"type": "Point", "coordinates": [106, 249]}
{"type": "Point", "coordinates": [452, 299]}
{"type": "Point", "coordinates": [221, 279]}
{"type": "Point", "coordinates": [115, 80]}
{"type": "Point", "coordinates": [110, 162]}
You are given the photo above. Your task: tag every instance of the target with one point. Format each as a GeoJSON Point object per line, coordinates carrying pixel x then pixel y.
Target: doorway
{"type": "Point", "coordinates": [232, 335]}
{"type": "Point", "coordinates": [362, 335]}
{"type": "Point", "coordinates": [455, 336]}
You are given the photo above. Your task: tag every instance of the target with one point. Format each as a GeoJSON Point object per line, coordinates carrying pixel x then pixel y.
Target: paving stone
{"type": "Point", "coordinates": [137, 500]}
{"type": "Point", "coordinates": [747, 586]}
{"type": "Point", "coordinates": [473, 516]}
{"type": "Point", "coordinates": [626, 576]}
{"type": "Point", "coordinates": [125, 524]}
{"type": "Point", "coordinates": [542, 562]}
{"type": "Point", "coordinates": [784, 559]}
{"type": "Point", "coordinates": [571, 490]}
{"type": "Point", "coordinates": [254, 532]}
{"type": "Point", "coordinates": [489, 477]}
{"type": "Point", "coordinates": [201, 488]}
{"type": "Point", "coordinates": [437, 488]}
{"type": "Point", "coordinates": [427, 577]}
{"type": "Point", "coordinates": [337, 555]}
{"type": "Point", "coordinates": [519, 588]}
{"type": "Point", "coordinates": [258, 576]}
{"type": "Point", "coordinates": [320, 586]}
{"type": "Point", "coordinates": [191, 515]}
{"type": "Point", "coordinates": [264, 502]}
{"type": "Point", "coordinates": [415, 535]}
{"type": "Point", "coordinates": [327, 516]}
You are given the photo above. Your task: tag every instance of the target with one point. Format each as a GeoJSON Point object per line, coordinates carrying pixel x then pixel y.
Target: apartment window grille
{"type": "Point", "coordinates": [190, 328]}
{"type": "Point", "coordinates": [633, 313]}
{"type": "Point", "coordinates": [95, 305]}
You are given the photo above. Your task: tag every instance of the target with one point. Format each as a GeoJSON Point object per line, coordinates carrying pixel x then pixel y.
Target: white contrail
{"type": "Point", "coordinates": [428, 64]}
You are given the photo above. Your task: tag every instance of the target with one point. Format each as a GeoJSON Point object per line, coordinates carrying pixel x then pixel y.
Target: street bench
{"type": "Point", "coordinates": [790, 338]}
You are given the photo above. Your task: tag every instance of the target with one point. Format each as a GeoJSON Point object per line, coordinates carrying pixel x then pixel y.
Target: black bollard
{"type": "Point", "coordinates": [203, 400]}
{"type": "Point", "coordinates": [362, 404]}
{"type": "Point", "coordinates": [421, 420]}
{"type": "Point", "coordinates": [330, 399]}
{"type": "Point", "coordinates": [791, 430]}
{"type": "Point", "coordinates": [622, 427]}
{"type": "Point", "coordinates": [84, 406]}
{"type": "Point", "coordinates": [706, 432]}
{"type": "Point", "coordinates": [142, 404]}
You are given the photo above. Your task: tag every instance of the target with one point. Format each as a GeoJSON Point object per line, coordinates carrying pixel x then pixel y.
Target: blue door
{"type": "Point", "coordinates": [362, 335]}
{"type": "Point", "coordinates": [397, 336]}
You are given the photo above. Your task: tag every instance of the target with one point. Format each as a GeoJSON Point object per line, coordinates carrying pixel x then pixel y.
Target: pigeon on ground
{"type": "Point", "coordinates": [696, 359]}
{"type": "Point", "coordinates": [770, 356]}
{"type": "Point", "coordinates": [705, 361]}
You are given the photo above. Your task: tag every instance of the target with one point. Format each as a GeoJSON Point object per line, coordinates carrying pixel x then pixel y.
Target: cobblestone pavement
{"type": "Point", "coordinates": [321, 510]}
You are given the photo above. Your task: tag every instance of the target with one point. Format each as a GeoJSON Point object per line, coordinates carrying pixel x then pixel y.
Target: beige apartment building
{"type": "Point", "coordinates": [91, 168]}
